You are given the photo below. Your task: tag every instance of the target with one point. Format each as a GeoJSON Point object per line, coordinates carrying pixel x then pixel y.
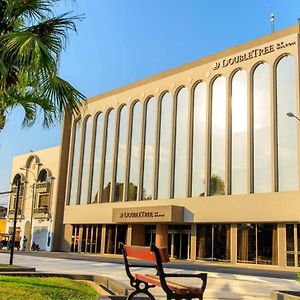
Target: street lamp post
{"type": "Point", "coordinates": [15, 224]}
{"type": "Point", "coordinates": [291, 115]}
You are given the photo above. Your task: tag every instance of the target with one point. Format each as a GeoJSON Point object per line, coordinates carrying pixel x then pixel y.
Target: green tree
{"type": "Point", "coordinates": [217, 185]}
{"type": "Point", "coordinates": [32, 39]}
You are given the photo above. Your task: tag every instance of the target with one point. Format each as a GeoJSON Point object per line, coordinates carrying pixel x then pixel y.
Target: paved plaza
{"type": "Point", "coordinates": [220, 285]}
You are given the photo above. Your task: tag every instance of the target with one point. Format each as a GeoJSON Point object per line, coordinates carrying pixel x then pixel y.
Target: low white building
{"type": "Point", "coordinates": [37, 173]}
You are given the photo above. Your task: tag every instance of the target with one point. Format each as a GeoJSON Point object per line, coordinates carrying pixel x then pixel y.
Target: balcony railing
{"type": "Point", "coordinates": [11, 213]}
{"type": "Point", "coordinates": [42, 187]}
{"type": "Point", "coordinates": [41, 212]}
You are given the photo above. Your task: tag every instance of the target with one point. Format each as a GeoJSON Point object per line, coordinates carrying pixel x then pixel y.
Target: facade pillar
{"type": "Point", "coordinates": [233, 247]}
{"type": "Point", "coordinates": [138, 235]}
{"type": "Point", "coordinates": [193, 241]}
{"type": "Point", "coordinates": [80, 238]}
{"type": "Point", "coordinates": [103, 238]}
{"type": "Point", "coordinates": [129, 235]}
{"type": "Point", "coordinates": [161, 237]}
{"type": "Point", "coordinates": [67, 238]}
{"type": "Point", "coordinates": [281, 245]}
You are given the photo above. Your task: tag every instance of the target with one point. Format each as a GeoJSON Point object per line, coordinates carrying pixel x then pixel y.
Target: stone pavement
{"type": "Point", "coordinates": [220, 285]}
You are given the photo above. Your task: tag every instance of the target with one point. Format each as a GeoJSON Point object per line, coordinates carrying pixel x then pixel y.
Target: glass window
{"type": "Point", "coordinates": [204, 242]}
{"type": "Point", "coordinates": [96, 166]}
{"type": "Point", "coordinates": [262, 129]}
{"type": "Point", "coordinates": [121, 162]}
{"type": "Point", "coordinates": [86, 160]}
{"type": "Point", "coordinates": [135, 152]}
{"type": "Point", "coordinates": [181, 143]}
{"type": "Point", "coordinates": [246, 243]}
{"type": "Point", "coordinates": [217, 180]}
{"type": "Point", "coordinates": [199, 145]}
{"type": "Point", "coordinates": [290, 245]}
{"type": "Point", "coordinates": [109, 154]}
{"type": "Point", "coordinates": [221, 242]}
{"type": "Point", "coordinates": [75, 164]}
{"type": "Point", "coordinates": [43, 200]}
{"type": "Point", "coordinates": [267, 244]}
{"type": "Point", "coordinates": [149, 149]}
{"type": "Point", "coordinates": [287, 127]}
{"type": "Point", "coordinates": [164, 147]}
{"type": "Point", "coordinates": [43, 176]}
{"type": "Point", "coordinates": [239, 133]}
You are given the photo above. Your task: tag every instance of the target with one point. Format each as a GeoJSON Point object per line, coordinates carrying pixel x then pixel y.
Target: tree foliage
{"type": "Point", "coordinates": [32, 39]}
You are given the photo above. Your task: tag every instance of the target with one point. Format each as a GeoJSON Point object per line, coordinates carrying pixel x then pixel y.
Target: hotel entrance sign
{"type": "Point", "coordinates": [150, 214]}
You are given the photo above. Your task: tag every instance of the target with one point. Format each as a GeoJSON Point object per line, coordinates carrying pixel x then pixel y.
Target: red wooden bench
{"type": "Point", "coordinates": [143, 282]}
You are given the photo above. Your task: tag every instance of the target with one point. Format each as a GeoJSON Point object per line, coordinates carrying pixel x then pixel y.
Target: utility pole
{"type": "Point", "coordinates": [15, 224]}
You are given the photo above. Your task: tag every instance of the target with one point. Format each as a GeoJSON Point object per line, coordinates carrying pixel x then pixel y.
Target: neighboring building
{"type": "Point", "coordinates": [37, 173]}
{"type": "Point", "coordinates": [3, 211]}
{"type": "Point", "coordinates": [202, 159]}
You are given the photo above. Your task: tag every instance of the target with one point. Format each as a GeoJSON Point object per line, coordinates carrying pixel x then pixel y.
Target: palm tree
{"type": "Point", "coordinates": [32, 39]}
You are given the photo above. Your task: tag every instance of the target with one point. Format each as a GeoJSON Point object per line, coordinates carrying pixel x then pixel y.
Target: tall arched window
{"type": "Point", "coordinates": [109, 154]}
{"type": "Point", "coordinates": [239, 133]}
{"type": "Point", "coordinates": [43, 176]}
{"type": "Point", "coordinates": [262, 129]}
{"type": "Point", "coordinates": [218, 127]}
{"type": "Point", "coordinates": [287, 127]}
{"type": "Point", "coordinates": [75, 164]}
{"type": "Point", "coordinates": [43, 190]}
{"type": "Point", "coordinates": [149, 153]}
{"type": "Point", "coordinates": [87, 140]}
{"type": "Point", "coordinates": [135, 151]}
{"type": "Point", "coordinates": [199, 134]}
{"type": "Point", "coordinates": [13, 197]}
{"type": "Point", "coordinates": [96, 165]}
{"type": "Point", "coordinates": [181, 143]}
{"type": "Point", "coordinates": [164, 147]}
{"type": "Point", "coordinates": [121, 161]}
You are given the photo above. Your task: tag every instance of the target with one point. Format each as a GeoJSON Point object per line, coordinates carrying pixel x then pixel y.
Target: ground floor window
{"type": "Point", "coordinates": [293, 245]}
{"type": "Point", "coordinates": [213, 242]}
{"type": "Point", "coordinates": [150, 234]}
{"type": "Point", "coordinates": [115, 234]}
{"type": "Point", "coordinates": [86, 238]}
{"type": "Point", "coordinates": [257, 243]}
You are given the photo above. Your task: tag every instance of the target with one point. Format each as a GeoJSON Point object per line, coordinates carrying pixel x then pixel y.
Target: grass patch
{"type": "Point", "coordinates": [46, 288]}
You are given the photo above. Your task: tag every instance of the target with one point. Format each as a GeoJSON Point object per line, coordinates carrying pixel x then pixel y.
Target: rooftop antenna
{"type": "Point", "coordinates": [272, 22]}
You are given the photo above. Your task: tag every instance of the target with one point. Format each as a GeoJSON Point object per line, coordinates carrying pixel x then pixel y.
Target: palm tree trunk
{"type": "Point", "coordinates": [2, 119]}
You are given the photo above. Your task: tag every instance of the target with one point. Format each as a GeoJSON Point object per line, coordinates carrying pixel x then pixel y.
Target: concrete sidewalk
{"type": "Point", "coordinates": [221, 285]}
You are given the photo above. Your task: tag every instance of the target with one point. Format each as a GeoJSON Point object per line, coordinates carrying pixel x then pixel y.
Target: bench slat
{"type": "Point", "coordinates": [178, 288]}
{"type": "Point", "coordinates": [145, 253]}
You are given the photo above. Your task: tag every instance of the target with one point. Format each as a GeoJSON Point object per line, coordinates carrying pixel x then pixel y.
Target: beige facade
{"type": "Point", "coordinates": [201, 158]}
{"type": "Point", "coordinates": [37, 172]}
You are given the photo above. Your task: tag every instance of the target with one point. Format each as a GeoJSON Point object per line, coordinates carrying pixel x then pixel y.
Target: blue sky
{"type": "Point", "coordinates": [121, 41]}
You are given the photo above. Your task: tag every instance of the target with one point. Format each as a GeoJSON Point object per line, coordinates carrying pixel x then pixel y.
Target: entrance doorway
{"type": "Point", "coordinates": [179, 241]}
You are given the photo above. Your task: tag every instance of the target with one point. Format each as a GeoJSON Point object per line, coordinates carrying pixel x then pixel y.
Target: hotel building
{"type": "Point", "coordinates": [202, 159]}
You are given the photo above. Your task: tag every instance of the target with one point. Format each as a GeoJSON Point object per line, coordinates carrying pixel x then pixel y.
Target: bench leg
{"type": "Point", "coordinates": [136, 292]}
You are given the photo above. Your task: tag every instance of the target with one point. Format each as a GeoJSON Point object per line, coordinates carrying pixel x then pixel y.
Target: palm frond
{"type": "Point", "coordinates": [25, 50]}
{"type": "Point", "coordinates": [29, 9]}
{"type": "Point", "coordinates": [63, 94]}
{"type": "Point", "coordinates": [53, 32]}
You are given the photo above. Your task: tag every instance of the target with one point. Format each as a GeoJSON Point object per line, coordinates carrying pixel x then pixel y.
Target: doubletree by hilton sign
{"type": "Point", "coordinates": [252, 54]}
{"type": "Point", "coordinates": [151, 214]}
